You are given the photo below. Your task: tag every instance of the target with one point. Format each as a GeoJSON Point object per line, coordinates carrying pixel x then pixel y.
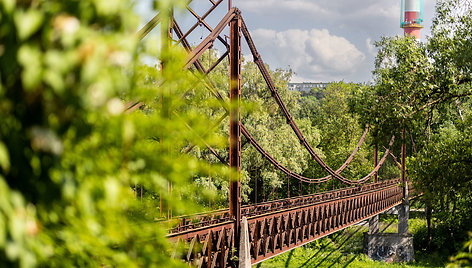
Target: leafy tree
{"type": "Point", "coordinates": [401, 68]}
{"type": "Point", "coordinates": [442, 170]}
{"type": "Point", "coordinates": [426, 88]}
{"type": "Point", "coordinates": [341, 130]}
{"type": "Point", "coordinates": [263, 118]}
{"type": "Point", "coordinates": [71, 153]}
{"type": "Point", "coordinates": [463, 258]}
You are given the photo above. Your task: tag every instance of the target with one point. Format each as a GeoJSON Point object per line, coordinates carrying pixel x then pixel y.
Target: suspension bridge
{"type": "Point", "coordinates": [266, 229]}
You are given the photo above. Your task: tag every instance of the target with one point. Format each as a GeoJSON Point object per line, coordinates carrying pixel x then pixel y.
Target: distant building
{"type": "Point", "coordinates": [306, 86]}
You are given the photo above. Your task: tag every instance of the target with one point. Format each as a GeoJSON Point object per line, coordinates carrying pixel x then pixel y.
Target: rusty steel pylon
{"type": "Point", "coordinates": [234, 127]}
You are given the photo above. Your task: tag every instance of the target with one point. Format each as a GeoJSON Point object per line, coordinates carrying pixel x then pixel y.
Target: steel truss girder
{"type": "Point", "coordinates": [201, 220]}
{"type": "Point", "coordinates": [281, 230]}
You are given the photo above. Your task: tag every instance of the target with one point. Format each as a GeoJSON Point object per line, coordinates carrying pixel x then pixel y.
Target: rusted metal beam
{"type": "Point", "coordinates": [222, 215]}
{"type": "Point", "coordinates": [289, 227]}
{"type": "Point", "coordinates": [234, 127]}
{"type": "Point", "coordinates": [412, 142]}
{"type": "Point", "coordinates": [149, 26]}
{"type": "Point", "coordinates": [200, 20]}
{"type": "Point", "coordinates": [213, 151]}
{"type": "Point", "coordinates": [198, 23]}
{"type": "Point", "coordinates": [199, 66]}
{"type": "Point", "coordinates": [218, 61]}
{"type": "Point", "coordinates": [208, 42]}
{"type": "Point", "coordinates": [399, 165]}
{"type": "Point", "coordinates": [211, 128]}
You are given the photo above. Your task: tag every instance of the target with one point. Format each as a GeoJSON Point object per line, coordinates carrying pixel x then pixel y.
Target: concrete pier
{"type": "Point", "coordinates": [244, 246]}
{"type": "Point", "coordinates": [403, 217]}
{"type": "Point", "coordinates": [374, 224]}
{"type": "Point", "coordinates": [390, 247]}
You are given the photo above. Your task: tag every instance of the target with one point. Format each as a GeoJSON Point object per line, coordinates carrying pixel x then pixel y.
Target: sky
{"type": "Point", "coordinates": [320, 40]}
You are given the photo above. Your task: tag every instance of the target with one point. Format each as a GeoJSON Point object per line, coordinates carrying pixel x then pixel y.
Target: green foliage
{"type": "Point", "coordinates": [340, 130]}
{"type": "Point", "coordinates": [442, 171]}
{"type": "Point", "coordinates": [70, 152]}
{"type": "Point", "coordinates": [412, 79]}
{"type": "Point", "coordinates": [402, 69]}
{"type": "Point", "coordinates": [266, 123]}
{"type": "Point", "coordinates": [426, 88]}
{"type": "Point", "coordinates": [463, 258]}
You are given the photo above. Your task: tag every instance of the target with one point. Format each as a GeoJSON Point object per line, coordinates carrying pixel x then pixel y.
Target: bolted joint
{"type": "Point", "coordinates": [256, 57]}
{"type": "Point", "coordinates": [237, 13]}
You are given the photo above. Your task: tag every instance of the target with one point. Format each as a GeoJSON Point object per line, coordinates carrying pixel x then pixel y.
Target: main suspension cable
{"type": "Point", "coordinates": [265, 74]}
{"type": "Point", "coordinates": [257, 59]}
{"type": "Point", "coordinates": [299, 177]}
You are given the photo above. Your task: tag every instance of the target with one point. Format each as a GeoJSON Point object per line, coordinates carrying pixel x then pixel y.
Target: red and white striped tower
{"type": "Point", "coordinates": [412, 17]}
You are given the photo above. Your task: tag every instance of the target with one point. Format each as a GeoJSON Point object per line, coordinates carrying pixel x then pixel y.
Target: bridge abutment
{"type": "Point", "coordinates": [390, 247]}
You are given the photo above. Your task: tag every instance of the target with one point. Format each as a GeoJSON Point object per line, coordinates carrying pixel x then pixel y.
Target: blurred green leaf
{"type": "Point", "coordinates": [4, 158]}
{"type": "Point", "coordinates": [30, 59]}
{"type": "Point", "coordinates": [28, 22]}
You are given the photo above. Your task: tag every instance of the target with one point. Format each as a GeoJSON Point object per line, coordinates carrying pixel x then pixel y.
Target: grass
{"type": "Point", "coordinates": [344, 249]}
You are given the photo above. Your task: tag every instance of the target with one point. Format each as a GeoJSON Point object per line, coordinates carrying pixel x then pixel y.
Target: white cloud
{"type": "Point", "coordinates": [337, 11]}
{"type": "Point", "coordinates": [349, 54]}
{"type": "Point", "coordinates": [370, 47]}
{"type": "Point", "coordinates": [376, 9]}
{"type": "Point", "coordinates": [262, 6]}
{"type": "Point", "coordinates": [313, 54]}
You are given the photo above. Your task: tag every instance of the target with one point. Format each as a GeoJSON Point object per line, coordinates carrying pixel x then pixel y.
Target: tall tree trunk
{"type": "Point", "coordinates": [428, 222]}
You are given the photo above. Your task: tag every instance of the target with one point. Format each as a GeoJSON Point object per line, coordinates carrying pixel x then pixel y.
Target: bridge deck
{"type": "Point", "coordinates": [278, 226]}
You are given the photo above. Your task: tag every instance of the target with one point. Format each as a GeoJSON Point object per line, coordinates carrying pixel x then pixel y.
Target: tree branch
{"type": "Point", "coordinates": [438, 100]}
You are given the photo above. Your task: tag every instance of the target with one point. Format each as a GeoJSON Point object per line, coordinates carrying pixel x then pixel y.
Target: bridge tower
{"type": "Point", "coordinates": [411, 17]}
